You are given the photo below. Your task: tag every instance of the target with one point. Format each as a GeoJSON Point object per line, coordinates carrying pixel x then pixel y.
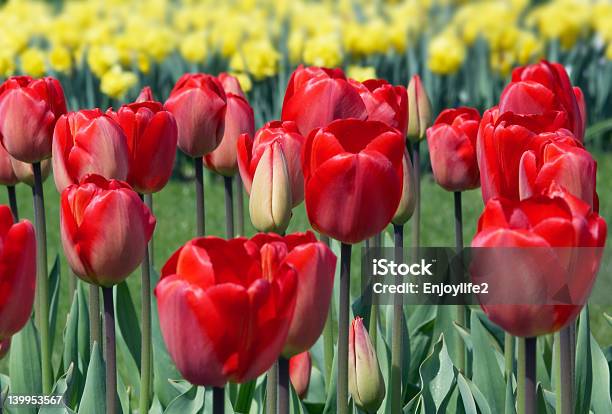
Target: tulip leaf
{"type": "Point", "coordinates": [542, 404]}
{"type": "Point", "coordinates": [584, 368]}
{"type": "Point", "coordinates": [467, 399]}
{"type": "Point", "coordinates": [93, 400]}
{"type": "Point", "coordinates": [510, 406]}
{"type": "Point", "coordinates": [608, 318]}
{"type": "Point", "coordinates": [191, 401]}
{"type": "Point", "coordinates": [315, 397]}
{"type": "Point", "coordinates": [54, 288]}
{"type": "Point", "coordinates": [487, 375]}
{"type": "Point", "coordinates": [124, 393]}
{"type": "Point", "coordinates": [5, 385]}
{"type": "Point", "coordinates": [128, 337]}
{"type": "Point", "coordinates": [70, 357]}
{"type": "Point", "coordinates": [420, 341]}
{"type": "Point", "coordinates": [245, 395]}
{"type": "Point", "coordinates": [83, 340]}
{"type": "Point", "coordinates": [600, 401]}
{"type": "Point", "coordinates": [445, 322]}
{"type": "Point", "coordinates": [156, 407]}
{"type": "Point", "coordinates": [438, 378]}
{"type": "Point", "coordinates": [163, 368]}
{"type": "Point", "coordinates": [62, 387]}
{"type": "Point", "coordinates": [24, 364]}
{"type": "Point", "coordinates": [330, 402]}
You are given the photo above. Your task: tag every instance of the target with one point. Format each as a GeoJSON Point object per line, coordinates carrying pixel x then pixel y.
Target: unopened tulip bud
{"type": "Point", "coordinates": [146, 94]}
{"type": "Point", "coordinates": [270, 200]}
{"type": "Point", "coordinates": [25, 172]}
{"type": "Point", "coordinates": [408, 201]}
{"type": "Point", "coordinates": [300, 367]}
{"type": "Point", "coordinates": [5, 344]}
{"type": "Point", "coordinates": [419, 109]}
{"type": "Point", "coordinates": [366, 383]}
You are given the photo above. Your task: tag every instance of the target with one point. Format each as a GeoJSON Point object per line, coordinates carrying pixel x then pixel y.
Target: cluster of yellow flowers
{"type": "Point", "coordinates": [120, 40]}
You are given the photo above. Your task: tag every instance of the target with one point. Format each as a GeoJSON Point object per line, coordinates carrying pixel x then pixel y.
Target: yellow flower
{"type": "Point", "coordinates": [193, 47]}
{"type": "Point", "coordinates": [116, 82]}
{"type": "Point", "coordinates": [257, 58]}
{"type": "Point", "coordinates": [295, 44]}
{"type": "Point", "coordinates": [7, 64]}
{"type": "Point", "coordinates": [244, 80]}
{"type": "Point", "coordinates": [60, 59]}
{"type": "Point", "coordinates": [101, 58]}
{"type": "Point", "coordinates": [323, 51]}
{"type": "Point", "coordinates": [33, 62]}
{"type": "Point", "coordinates": [609, 51]}
{"type": "Point", "coordinates": [528, 48]}
{"type": "Point", "coordinates": [446, 54]}
{"type": "Point", "coordinates": [361, 73]}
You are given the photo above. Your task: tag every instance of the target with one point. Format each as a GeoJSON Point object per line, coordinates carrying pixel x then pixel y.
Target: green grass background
{"type": "Point", "coordinates": [174, 209]}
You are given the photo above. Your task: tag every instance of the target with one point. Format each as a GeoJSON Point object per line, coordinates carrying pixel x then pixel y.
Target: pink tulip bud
{"type": "Point", "coordinates": [300, 367]}
{"type": "Point", "coordinates": [366, 383]}
{"type": "Point", "coordinates": [105, 228]}
{"type": "Point", "coordinates": [7, 174]}
{"type": "Point", "coordinates": [419, 109]}
{"type": "Point", "coordinates": [408, 200]}
{"type": "Point", "coordinates": [146, 94]}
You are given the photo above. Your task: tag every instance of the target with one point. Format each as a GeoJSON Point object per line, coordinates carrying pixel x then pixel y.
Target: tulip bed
{"type": "Point", "coordinates": [194, 245]}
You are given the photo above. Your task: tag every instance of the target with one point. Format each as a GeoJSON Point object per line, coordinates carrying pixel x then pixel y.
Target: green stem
{"type": "Point", "coordinates": [199, 186]}
{"type": "Point", "coordinates": [397, 333]}
{"type": "Point", "coordinates": [459, 309]}
{"type": "Point", "coordinates": [343, 325]}
{"type": "Point", "coordinates": [42, 284]}
{"type": "Point", "coordinates": [229, 207]}
{"type": "Point", "coordinates": [520, 387]}
{"type": "Point", "coordinates": [240, 205]}
{"type": "Point", "coordinates": [94, 315]}
{"type": "Point", "coordinates": [283, 385]}
{"type": "Point", "coordinates": [110, 351]}
{"type": "Point", "coordinates": [145, 345]}
{"type": "Point", "coordinates": [563, 367]}
{"type": "Point", "coordinates": [597, 129]}
{"type": "Point", "coordinates": [218, 400]}
{"type": "Point", "coordinates": [416, 218]}
{"type": "Point", "coordinates": [530, 375]}
{"type": "Point", "coordinates": [508, 355]}
{"type": "Point", "coordinates": [328, 333]}
{"type": "Point", "coordinates": [12, 196]}
{"type": "Point", "coordinates": [271, 389]}
{"type": "Point", "coordinates": [148, 198]}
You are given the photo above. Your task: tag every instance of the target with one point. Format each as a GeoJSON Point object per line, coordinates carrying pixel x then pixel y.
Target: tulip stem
{"type": "Point", "coordinates": [564, 378]}
{"type": "Point", "coordinates": [148, 198]}
{"type": "Point", "coordinates": [240, 205]}
{"type": "Point", "coordinates": [343, 325]}
{"type": "Point", "coordinates": [218, 400]}
{"type": "Point", "coordinates": [526, 389]}
{"type": "Point", "coordinates": [271, 389]}
{"type": "Point", "coordinates": [283, 385]}
{"type": "Point", "coordinates": [145, 344]}
{"type": "Point", "coordinates": [398, 321]}
{"type": "Point", "coordinates": [199, 186]}
{"type": "Point", "coordinates": [94, 315]}
{"type": "Point", "coordinates": [416, 219]}
{"type": "Point", "coordinates": [328, 333]}
{"type": "Point", "coordinates": [109, 350]}
{"type": "Point", "coordinates": [459, 309]}
{"type": "Point", "coordinates": [229, 207]}
{"type": "Point", "coordinates": [42, 284]}
{"type": "Point", "coordinates": [508, 355]}
{"type": "Point", "coordinates": [12, 196]}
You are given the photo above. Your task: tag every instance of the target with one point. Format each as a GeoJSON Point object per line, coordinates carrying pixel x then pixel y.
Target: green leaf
{"type": "Point", "coordinates": [487, 375]}
{"type": "Point", "coordinates": [510, 402]}
{"type": "Point", "coordinates": [543, 407]}
{"type": "Point", "coordinates": [600, 400]}
{"type": "Point", "coordinates": [128, 337]}
{"type": "Point", "coordinates": [191, 401]}
{"type": "Point", "coordinates": [5, 384]}
{"type": "Point", "coordinates": [61, 387]}
{"type": "Point", "coordinates": [330, 402]}
{"type": "Point", "coordinates": [83, 327]}
{"type": "Point", "coordinates": [481, 400]}
{"type": "Point", "coordinates": [244, 399]}
{"type": "Point", "coordinates": [469, 405]}
{"type": "Point", "coordinates": [24, 365]}
{"type": "Point", "coordinates": [608, 318]}
{"type": "Point", "coordinates": [70, 355]}
{"type": "Point", "coordinates": [54, 288]}
{"type": "Point", "coordinates": [93, 400]}
{"type": "Point", "coordinates": [584, 369]}
{"type": "Point", "coordinates": [438, 376]}
{"type": "Point", "coordinates": [156, 407]}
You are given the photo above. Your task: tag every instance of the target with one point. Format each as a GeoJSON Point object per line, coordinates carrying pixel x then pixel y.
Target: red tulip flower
{"type": "Point", "coordinates": [29, 109]}
{"type": "Point", "coordinates": [317, 96]}
{"type": "Point", "coordinates": [151, 136]}
{"type": "Point", "coordinates": [7, 174]}
{"type": "Point", "coordinates": [88, 142]}
{"type": "Point", "coordinates": [540, 258]}
{"type": "Point", "coordinates": [353, 178]}
{"type": "Point", "coordinates": [452, 149]}
{"type": "Point", "coordinates": [384, 102]}
{"type": "Point", "coordinates": [502, 141]}
{"type": "Point", "coordinates": [315, 266]}
{"type": "Point", "coordinates": [198, 103]}
{"type": "Point", "coordinates": [105, 228]}
{"type": "Point", "coordinates": [17, 273]}
{"type": "Point", "coordinates": [225, 307]}
{"type": "Point", "coordinates": [239, 119]}
{"type": "Point", "coordinates": [544, 87]}
{"type": "Point", "coordinates": [290, 142]}
{"type": "Point", "coordinates": [300, 367]}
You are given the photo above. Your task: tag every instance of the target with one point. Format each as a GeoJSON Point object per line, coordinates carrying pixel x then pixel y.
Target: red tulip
{"type": "Point", "coordinates": [85, 142]}
{"type": "Point", "coordinates": [239, 119]}
{"type": "Point", "coordinates": [300, 367]}
{"type": "Point", "coordinates": [7, 174]}
{"type": "Point", "coordinates": [231, 84]}
{"type": "Point", "coordinates": [452, 149]}
{"type": "Point", "coordinates": [5, 344]}
{"type": "Point", "coordinates": [250, 151]}
{"type": "Point", "coordinates": [198, 103]}
{"type": "Point", "coordinates": [540, 88]}
{"type": "Point", "coordinates": [225, 307]}
{"type": "Point", "coordinates": [29, 109]}
{"type": "Point", "coordinates": [502, 140]}
{"type": "Point", "coordinates": [317, 96]}
{"type": "Point", "coordinates": [17, 273]}
{"type": "Point", "coordinates": [315, 265]}
{"type": "Point", "coordinates": [541, 260]}
{"type": "Point", "coordinates": [384, 102]}
{"type": "Point", "coordinates": [151, 136]}
{"type": "Point", "coordinates": [353, 178]}
{"type": "Point", "coordinates": [105, 228]}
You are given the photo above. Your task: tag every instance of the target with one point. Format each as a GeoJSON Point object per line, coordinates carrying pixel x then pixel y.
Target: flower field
{"type": "Point", "coordinates": [195, 198]}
